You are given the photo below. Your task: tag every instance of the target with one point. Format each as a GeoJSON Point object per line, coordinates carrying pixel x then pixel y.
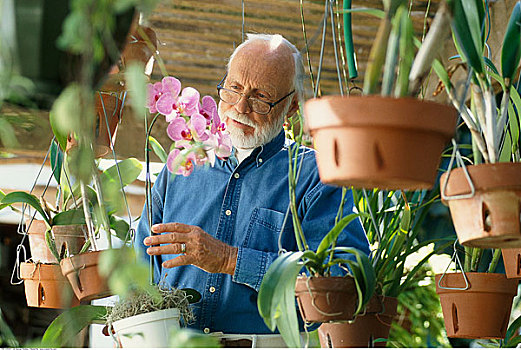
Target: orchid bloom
{"type": "Point", "coordinates": [167, 104]}
{"type": "Point", "coordinates": [198, 127]}
{"type": "Point", "coordinates": [178, 130]}
{"type": "Point", "coordinates": [154, 92]}
{"type": "Point", "coordinates": [181, 163]}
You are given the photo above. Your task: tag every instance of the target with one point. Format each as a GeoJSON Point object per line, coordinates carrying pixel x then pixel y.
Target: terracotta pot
{"type": "Point", "coordinates": [45, 286]}
{"type": "Point", "coordinates": [372, 141]}
{"type": "Point", "coordinates": [512, 262]}
{"type": "Point", "coordinates": [82, 273]}
{"type": "Point", "coordinates": [374, 324]}
{"type": "Point", "coordinates": [326, 299]}
{"type": "Point", "coordinates": [490, 219]}
{"type": "Point", "coordinates": [108, 108]}
{"type": "Point", "coordinates": [480, 312]}
{"type": "Point", "coordinates": [69, 240]}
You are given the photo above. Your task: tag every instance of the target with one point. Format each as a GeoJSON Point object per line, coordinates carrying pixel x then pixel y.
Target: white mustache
{"type": "Point", "coordinates": [241, 118]}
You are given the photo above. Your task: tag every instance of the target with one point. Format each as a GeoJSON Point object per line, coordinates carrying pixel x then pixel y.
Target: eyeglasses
{"type": "Point", "coordinates": [232, 97]}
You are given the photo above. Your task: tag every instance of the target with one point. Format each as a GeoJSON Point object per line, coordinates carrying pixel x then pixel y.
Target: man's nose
{"type": "Point", "coordinates": [242, 106]}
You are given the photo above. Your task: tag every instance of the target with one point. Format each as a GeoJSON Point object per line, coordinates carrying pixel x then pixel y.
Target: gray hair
{"type": "Point", "coordinates": [275, 40]}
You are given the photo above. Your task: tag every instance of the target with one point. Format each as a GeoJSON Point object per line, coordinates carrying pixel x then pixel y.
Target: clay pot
{"type": "Point", "coordinates": [372, 141]}
{"type": "Point", "coordinates": [512, 262]}
{"type": "Point", "coordinates": [480, 312]}
{"type": "Point", "coordinates": [108, 108]}
{"type": "Point", "coordinates": [374, 324]}
{"type": "Point", "coordinates": [490, 219]}
{"type": "Point", "coordinates": [69, 239]}
{"type": "Point", "coordinates": [46, 287]}
{"type": "Point", "coordinates": [326, 299]}
{"type": "Point", "coordinates": [82, 272]}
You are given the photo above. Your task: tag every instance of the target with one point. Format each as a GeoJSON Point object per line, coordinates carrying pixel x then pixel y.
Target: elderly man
{"type": "Point", "coordinates": [219, 228]}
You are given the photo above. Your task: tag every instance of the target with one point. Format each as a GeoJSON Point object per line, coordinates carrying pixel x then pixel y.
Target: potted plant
{"type": "Point", "coordinates": [484, 197]}
{"type": "Point", "coordinates": [392, 221]}
{"type": "Point", "coordinates": [143, 316]}
{"type": "Point", "coordinates": [476, 288]}
{"type": "Point", "coordinates": [392, 141]}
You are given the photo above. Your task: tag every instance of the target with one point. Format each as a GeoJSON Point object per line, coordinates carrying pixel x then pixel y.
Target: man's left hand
{"type": "Point", "coordinates": [200, 248]}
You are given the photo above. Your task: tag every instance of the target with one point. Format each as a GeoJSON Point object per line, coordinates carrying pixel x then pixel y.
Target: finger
{"type": "Point", "coordinates": [171, 227]}
{"type": "Point", "coordinates": [181, 260]}
{"type": "Point", "coordinates": [175, 248]}
{"type": "Point", "coordinates": [174, 237]}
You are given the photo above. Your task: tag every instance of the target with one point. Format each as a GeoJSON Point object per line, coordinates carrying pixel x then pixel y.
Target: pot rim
{"type": "Point", "coordinates": [147, 317]}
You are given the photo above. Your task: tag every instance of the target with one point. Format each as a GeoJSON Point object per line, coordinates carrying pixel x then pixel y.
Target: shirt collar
{"type": "Point", "coordinates": [264, 152]}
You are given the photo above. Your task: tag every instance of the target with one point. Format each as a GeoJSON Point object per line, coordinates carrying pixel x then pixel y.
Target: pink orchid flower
{"type": "Point", "coordinates": [161, 92]}
{"type": "Point", "coordinates": [154, 92]}
{"type": "Point", "coordinates": [189, 101]}
{"type": "Point", "coordinates": [181, 163]}
{"type": "Point", "coordinates": [178, 130]}
{"type": "Point", "coordinates": [198, 127]}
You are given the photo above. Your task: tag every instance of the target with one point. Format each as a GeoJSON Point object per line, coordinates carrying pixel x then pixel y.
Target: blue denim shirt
{"type": "Point", "coordinates": [244, 206]}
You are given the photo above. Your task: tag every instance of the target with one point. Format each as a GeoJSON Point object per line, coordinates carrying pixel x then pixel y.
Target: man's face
{"type": "Point", "coordinates": [266, 75]}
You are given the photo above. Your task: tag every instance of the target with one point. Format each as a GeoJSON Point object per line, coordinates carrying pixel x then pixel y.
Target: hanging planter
{"type": "Point", "coordinates": [464, 297]}
{"type": "Point", "coordinates": [326, 299]}
{"type": "Point", "coordinates": [46, 287]}
{"type": "Point", "coordinates": [485, 207]}
{"type": "Point", "coordinates": [149, 330]}
{"type": "Point", "coordinates": [372, 141]}
{"type": "Point", "coordinates": [512, 262]}
{"type": "Point", "coordinates": [375, 323]}
{"type": "Point", "coordinates": [109, 110]}
{"type": "Point", "coordinates": [69, 239]}
{"type": "Point", "coordinates": [82, 272]}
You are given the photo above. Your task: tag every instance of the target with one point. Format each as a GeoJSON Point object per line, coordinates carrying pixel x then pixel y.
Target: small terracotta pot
{"type": "Point", "coordinates": [326, 299]}
{"type": "Point", "coordinates": [68, 238]}
{"type": "Point", "coordinates": [46, 287]}
{"type": "Point", "coordinates": [82, 273]}
{"type": "Point", "coordinates": [490, 219]}
{"type": "Point", "coordinates": [108, 108]}
{"type": "Point", "coordinates": [372, 141]}
{"type": "Point", "coordinates": [480, 312]}
{"type": "Point", "coordinates": [512, 262]}
{"type": "Point", "coordinates": [374, 324]}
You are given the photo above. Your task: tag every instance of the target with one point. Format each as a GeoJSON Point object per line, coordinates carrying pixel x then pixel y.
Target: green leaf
{"type": "Point", "coordinates": [287, 321]}
{"type": "Point", "coordinates": [406, 52]}
{"type": "Point", "coordinates": [51, 244]}
{"type": "Point", "coordinates": [369, 11]}
{"type": "Point", "coordinates": [110, 182]}
{"type": "Point", "coordinates": [62, 332]}
{"type": "Point", "coordinates": [512, 329]}
{"type": "Point", "coordinates": [136, 80]}
{"type": "Point", "coordinates": [7, 134]}
{"type": "Point", "coordinates": [490, 65]}
{"type": "Point", "coordinates": [511, 50]}
{"type": "Point", "coordinates": [69, 217]}
{"type": "Point", "coordinates": [63, 115]}
{"type": "Point", "coordinates": [332, 235]}
{"type": "Point", "coordinates": [56, 161]}
{"type": "Point", "coordinates": [158, 149]}
{"type": "Point", "coordinates": [29, 199]}
{"type": "Point", "coordinates": [274, 283]}
{"type": "Point", "coordinates": [467, 35]}
{"type": "Point", "coordinates": [121, 227]}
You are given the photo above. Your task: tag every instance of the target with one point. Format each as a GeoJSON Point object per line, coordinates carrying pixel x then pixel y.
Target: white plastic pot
{"type": "Point", "coordinates": [150, 330]}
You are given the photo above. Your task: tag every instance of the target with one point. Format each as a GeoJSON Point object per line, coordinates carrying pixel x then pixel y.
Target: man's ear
{"type": "Point", "coordinates": [293, 108]}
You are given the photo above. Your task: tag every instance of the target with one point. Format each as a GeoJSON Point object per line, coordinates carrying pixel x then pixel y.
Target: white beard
{"type": "Point", "coordinates": [262, 133]}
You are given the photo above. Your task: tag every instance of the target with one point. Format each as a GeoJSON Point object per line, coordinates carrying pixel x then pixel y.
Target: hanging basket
{"type": "Point", "coordinates": [69, 239]}
{"type": "Point", "coordinates": [46, 287]}
{"type": "Point", "coordinates": [482, 311]}
{"type": "Point", "coordinates": [488, 216]}
{"type": "Point", "coordinates": [82, 272]}
{"type": "Point", "coordinates": [372, 141]}
{"type": "Point", "coordinates": [149, 330]}
{"type": "Point", "coordinates": [512, 262]}
{"type": "Point", "coordinates": [326, 299]}
{"type": "Point", "coordinates": [374, 324]}
{"type": "Point", "coordinates": [109, 108]}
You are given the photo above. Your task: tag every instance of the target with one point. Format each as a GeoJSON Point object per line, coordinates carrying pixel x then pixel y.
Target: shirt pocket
{"type": "Point", "coordinates": [263, 230]}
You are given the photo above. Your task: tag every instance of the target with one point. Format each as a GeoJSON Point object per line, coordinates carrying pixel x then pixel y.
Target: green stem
{"type": "Point", "coordinates": [477, 253]}
{"type": "Point", "coordinates": [495, 259]}
{"type": "Point", "coordinates": [348, 39]}
{"type": "Point", "coordinates": [105, 222]}
{"type": "Point", "coordinates": [86, 213]}
{"type": "Point", "coordinates": [377, 56]}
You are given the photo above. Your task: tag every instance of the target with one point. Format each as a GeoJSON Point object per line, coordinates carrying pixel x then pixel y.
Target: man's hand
{"type": "Point", "coordinates": [201, 249]}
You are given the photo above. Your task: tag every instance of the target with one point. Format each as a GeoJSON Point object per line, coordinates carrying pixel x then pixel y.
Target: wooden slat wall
{"type": "Point", "coordinates": [197, 37]}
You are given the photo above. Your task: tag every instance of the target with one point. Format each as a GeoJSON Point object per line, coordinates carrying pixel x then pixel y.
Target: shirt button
{"type": "Point", "coordinates": [228, 212]}
{"type": "Point", "coordinates": [212, 289]}
{"type": "Point", "coordinates": [260, 160]}
{"type": "Point", "coordinates": [206, 330]}
{"type": "Point", "coordinates": [236, 175]}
